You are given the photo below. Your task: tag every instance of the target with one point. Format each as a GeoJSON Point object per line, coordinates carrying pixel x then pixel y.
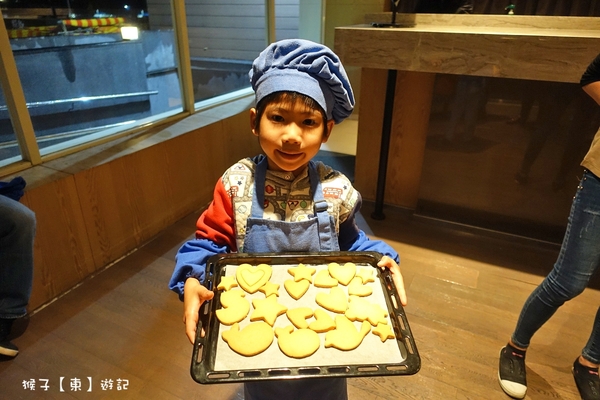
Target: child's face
{"type": "Point", "coordinates": [290, 134]}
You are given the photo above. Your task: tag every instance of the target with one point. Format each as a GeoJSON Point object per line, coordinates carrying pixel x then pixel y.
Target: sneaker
{"type": "Point", "coordinates": [6, 347]}
{"type": "Point", "coordinates": [587, 381]}
{"type": "Point", "coordinates": [511, 373]}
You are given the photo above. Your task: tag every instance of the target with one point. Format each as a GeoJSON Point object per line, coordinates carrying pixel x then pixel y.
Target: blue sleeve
{"type": "Point", "coordinates": [352, 238]}
{"type": "Point", "coordinates": [190, 261]}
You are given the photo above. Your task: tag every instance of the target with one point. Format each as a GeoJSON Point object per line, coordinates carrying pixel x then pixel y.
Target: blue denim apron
{"type": "Point", "coordinates": [312, 235]}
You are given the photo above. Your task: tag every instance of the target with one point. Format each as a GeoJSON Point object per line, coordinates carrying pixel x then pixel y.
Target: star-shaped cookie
{"type": "Point", "coordinates": [302, 272]}
{"type": "Point", "coordinates": [267, 309]}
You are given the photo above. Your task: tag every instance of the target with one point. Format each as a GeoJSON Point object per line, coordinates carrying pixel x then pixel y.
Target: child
{"type": "Point", "coordinates": [283, 201]}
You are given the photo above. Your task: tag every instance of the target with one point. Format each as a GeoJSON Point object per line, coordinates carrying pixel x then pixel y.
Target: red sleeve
{"type": "Point", "coordinates": [216, 222]}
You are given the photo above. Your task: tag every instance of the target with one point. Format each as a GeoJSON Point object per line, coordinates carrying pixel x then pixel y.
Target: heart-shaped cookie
{"type": "Point", "coordinates": [357, 288]}
{"type": "Point", "coordinates": [324, 280]}
{"type": "Point", "coordinates": [252, 278]}
{"type": "Point", "coordinates": [334, 301]}
{"type": "Point", "coordinates": [296, 289]}
{"type": "Point", "coordinates": [343, 273]}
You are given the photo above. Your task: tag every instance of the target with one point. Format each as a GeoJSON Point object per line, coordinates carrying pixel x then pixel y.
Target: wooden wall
{"type": "Point", "coordinates": [233, 29]}
{"type": "Point", "coordinates": [88, 216]}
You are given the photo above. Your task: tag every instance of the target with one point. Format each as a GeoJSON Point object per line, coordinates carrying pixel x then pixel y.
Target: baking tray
{"type": "Point", "coordinates": [210, 349]}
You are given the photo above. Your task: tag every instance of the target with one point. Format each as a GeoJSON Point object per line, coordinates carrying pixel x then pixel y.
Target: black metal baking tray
{"type": "Point", "coordinates": [204, 355]}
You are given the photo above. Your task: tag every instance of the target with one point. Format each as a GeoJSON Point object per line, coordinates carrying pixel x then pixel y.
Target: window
{"type": "Point", "coordinates": [83, 80]}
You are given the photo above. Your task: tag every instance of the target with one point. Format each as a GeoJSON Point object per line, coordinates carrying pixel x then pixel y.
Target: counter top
{"type": "Point", "coordinates": [508, 46]}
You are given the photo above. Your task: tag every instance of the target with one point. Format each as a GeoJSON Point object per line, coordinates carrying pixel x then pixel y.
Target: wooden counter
{"type": "Point", "coordinates": [504, 46]}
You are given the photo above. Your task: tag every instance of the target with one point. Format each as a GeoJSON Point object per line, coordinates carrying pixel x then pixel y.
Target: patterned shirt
{"type": "Point", "coordinates": [287, 197]}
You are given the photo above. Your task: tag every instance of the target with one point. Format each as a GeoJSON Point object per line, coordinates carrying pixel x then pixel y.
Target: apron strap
{"type": "Point", "coordinates": [327, 234]}
{"type": "Point", "coordinates": [258, 197]}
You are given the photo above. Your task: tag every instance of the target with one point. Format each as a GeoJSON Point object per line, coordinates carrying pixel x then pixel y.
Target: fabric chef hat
{"type": "Point", "coordinates": [305, 67]}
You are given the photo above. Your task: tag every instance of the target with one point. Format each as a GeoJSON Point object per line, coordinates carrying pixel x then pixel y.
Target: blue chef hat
{"type": "Point", "coordinates": [305, 67]}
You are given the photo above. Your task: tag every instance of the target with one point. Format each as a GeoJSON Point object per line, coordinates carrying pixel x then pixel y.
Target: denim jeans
{"type": "Point", "coordinates": [17, 231]}
{"type": "Point", "coordinates": [577, 261]}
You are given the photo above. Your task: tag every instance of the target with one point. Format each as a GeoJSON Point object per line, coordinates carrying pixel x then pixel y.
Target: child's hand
{"type": "Point", "coordinates": [194, 294]}
{"type": "Point", "coordinates": [388, 262]}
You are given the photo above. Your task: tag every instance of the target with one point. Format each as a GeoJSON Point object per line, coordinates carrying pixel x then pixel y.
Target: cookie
{"type": "Point", "coordinates": [343, 273]}
{"type": "Point", "coordinates": [384, 332]}
{"type": "Point", "coordinates": [334, 301]}
{"type": "Point", "coordinates": [358, 288]}
{"type": "Point", "coordinates": [300, 343]}
{"type": "Point", "coordinates": [250, 341]}
{"type": "Point", "coordinates": [235, 307]}
{"type": "Point", "coordinates": [267, 309]}
{"type": "Point", "coordinates": [270, 288]}
{"type": "Point", "coordinates": [298, 316]}
{"type": "Point", "coordinates": [345, 336]}
{"type": "Point", "coordinates": [360, 309]}
{"type": "Point", "coordinates": [302, 272]}
{"type": "Point", "coordinates": [252, 278]}
{"type": "Point", "coordinates": [226, 283]}
{"type": "Point", "coordinates": [323, 322]}
{"type": "Point", "coordinates": [366, 274]}
{"type": "Point", "coordinates": [324, 280]}
{"type": "Point", "coordinates": [296, 289]}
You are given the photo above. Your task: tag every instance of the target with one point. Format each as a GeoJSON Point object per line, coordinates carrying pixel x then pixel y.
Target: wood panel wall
{"type": "Point", "coordinates": [89, 217]}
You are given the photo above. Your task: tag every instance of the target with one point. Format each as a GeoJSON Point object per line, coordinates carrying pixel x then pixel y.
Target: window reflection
{"type": "Point", "coordinates": [224, 38]}
{"type": "Point", "coordinates": [9, 149]}
{"type": "Point", "coordinates": [504, 154]}
{"type": "Point", "coordinates": [79, 75]}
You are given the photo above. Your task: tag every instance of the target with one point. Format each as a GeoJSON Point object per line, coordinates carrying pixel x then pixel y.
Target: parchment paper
{"type": "Point", "coordinates": [371, 350]}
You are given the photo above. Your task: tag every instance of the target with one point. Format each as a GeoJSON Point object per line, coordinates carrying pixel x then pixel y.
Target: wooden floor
{"type": "Point", "coordinates": [465, 292]}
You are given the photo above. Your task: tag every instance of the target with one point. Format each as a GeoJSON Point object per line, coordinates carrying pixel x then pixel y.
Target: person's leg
{"type": "Point", "coordinates": [577, 261]}
{"type": "Point", "coordinates": [17, 231]}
